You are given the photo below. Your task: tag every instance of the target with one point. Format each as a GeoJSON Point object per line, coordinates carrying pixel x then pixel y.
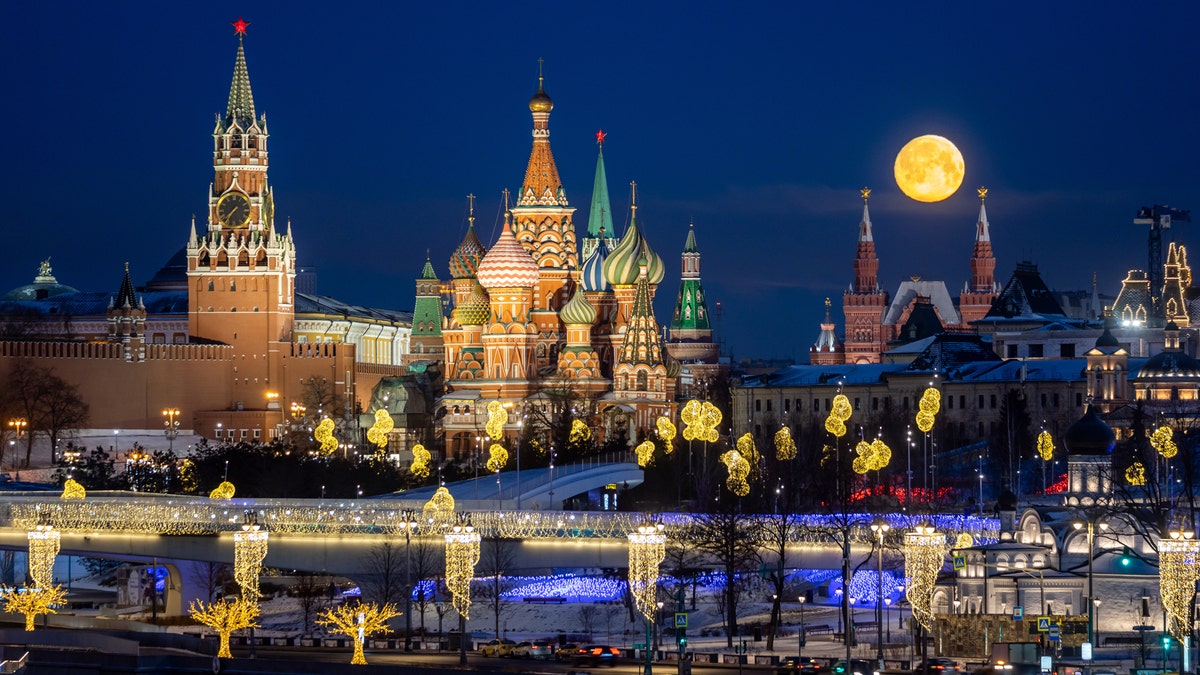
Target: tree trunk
{"type": "Point", "coordinates": [224, 652]}
{"type": "Point", "coordinates": [358, 659]}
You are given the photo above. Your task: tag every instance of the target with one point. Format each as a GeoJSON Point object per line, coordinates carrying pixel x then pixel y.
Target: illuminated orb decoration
{"type": "Point", "coordinates": [223, 492]}
{"type": "Point", "coordinates": [73, 490]}
{"type": "Point", "coordinates": [666, 432]}
{"type": "Point", "coordinates": [33, 602]}
{"type": "Point", "coordinates": [1162, 441]}
{"type": "Point", "coordinates": [872, 456]}
{"type": "Point", "coordinates": [1135, 474]}
{"type": "Point", "coordinates": [1178, 571]}
{"type": "Point", "coordinates": [44, 543]}
{"type": "Point", "coordinates": [964, 540]}
{"type": "Point", "coordinates": [645, 453]}
{"type": "Point", "coordinates": [580, 432]}
{"type": "Point", "coordinates": [439, 510]}
{"type": "Point", "coordinates": [378, 433]}
{"type": "Point", "coordinates": [420, 462]}
{"type": "Point", "coordinates": [323, 434]}
{"type": "Point", "coordinates": [462, 554]}
{"type": "Point", "coordinates": [930, 405]}
{"type": "Point", "coordinates": [224, 617]}
{"type": "Point", "coordinates": [497, 418]}
{"type": "Point", "coordinates": [1045, 446]}
{"type": "Point", "coordinates": [838, 414]}
{"type": "Point", "coordinates": [497, 457]}
{"type": "Point", "coordinates": [701, 421]}
{"type": "Point", "coordinates": [924, 555]}
{"type": "Point", "coordinates": [357, 621]}
{"type": "Point", "coordinates": [785, 446]}
{"type": "Point", "coordinates": [929, 168]}
{"type": "Point", "coordinates": [647, 548]}
{"type": "Point", "coordinates": [249, 550]}
{"type": "Point", "coordinates": [739, 469]}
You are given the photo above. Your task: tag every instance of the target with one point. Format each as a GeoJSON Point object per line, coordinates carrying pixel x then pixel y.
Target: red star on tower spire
{"type": "Point", "coordinates": [239, 26]}
{"type": "Point", "coordinates": [600, 137]}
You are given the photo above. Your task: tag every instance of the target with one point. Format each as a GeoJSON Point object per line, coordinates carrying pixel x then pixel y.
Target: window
{"type": "Point", "coordinates": [905, 403]}
{"type": "Point", "coordinates": [757, 405]}
{"type": "Point", "coordinates": [787, 405]}
{"type": "Point", "coordinates": [1067, 350]}
{"type": "Point", "coordinates": [1036, 350]}
{"type": "Point", "coordinates": [1012, 351]}
{"type": "Point", "coordinates": [1078, 400]}
{"type": "Point", "coordinates": [874, 403]}
{"type": "Point", "coordinates": [981, 401]}
{"type": "Point", "coordinates": [962, 402]}
{"type": "Point", "coordinates": [1055, 399]}
{"type": "Point", "coordinates": [993, 402]}
{"type": "Point", "coordinates": [816, 405]}
{"type": "Point", "coordinates": [950, 403]}
{"type": "Point", "coordinates": [1043, 400]}
{"type": "Point", "coordinates": [258, 433]}
{"type": "Point", "coordinates": [768, 406]}
{"type": "Point", "coordinates": [828, 407]}
{"type": "Point", "coordinates": [857, 403]}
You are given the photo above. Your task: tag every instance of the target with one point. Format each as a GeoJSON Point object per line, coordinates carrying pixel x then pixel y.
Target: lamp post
{"type": "Point", "coordinates": [647, 547]}
{"type": "Point", "coordinates": [1096, 602]}
{"type": "Point", "coordinates": [879, 527]}
{"type": "Point", "coordinates": [408, 523]}
{"type": "Point", "coordinates": [802, 636]}
{"type": "Point", "coordinates": [249, 550]}
{"type": "Point", "coordinates": [18, 425]}
{"type": "Point", "coordinates": [172, 427]}
{"type": "Point", "coordinates": [1091, 523]}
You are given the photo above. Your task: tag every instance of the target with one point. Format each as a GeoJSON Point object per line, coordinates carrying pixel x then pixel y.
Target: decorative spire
{"type": "Point", "coordinates": [864, 227]}
{"type": "Point", "coordinates": [827, 341]}
{"type": "Point", "coordinates": [600, 215]}
{"type": "Point", "coordinates": [241, 100]}
{"type": "Point", "coordinates": [642, 345]}
{"type": "Point", "coordinates": [427, 271]}
{"type": "Point", "coordinates": [866, 264]}
{"type": "Point", "coordinates": [691, 310]}
{"type": "Point", "coordinates": [542, 186]}
{"type": "Point", "coordinates": [126, 296]}
{"type": "Point", "coordinates": [470, 251]}
{"type": "Point", "coordinates": [982, 231]}
{"type": "Point", "coordinates": [689, 244]}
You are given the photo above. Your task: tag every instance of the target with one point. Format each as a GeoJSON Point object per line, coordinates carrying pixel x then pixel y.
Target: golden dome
{"type": "Point", "coordinates": [541, 102]}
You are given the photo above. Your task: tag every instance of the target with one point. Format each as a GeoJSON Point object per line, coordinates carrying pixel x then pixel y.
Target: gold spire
{"type": "Point", "coordinates": [982, 193]}
{"type": "Point", "coordinates": [471, 210]}
{"type": "Point", "coordinates": [866, 194]}
{"type": "Point", "coordinates": [633, 195]}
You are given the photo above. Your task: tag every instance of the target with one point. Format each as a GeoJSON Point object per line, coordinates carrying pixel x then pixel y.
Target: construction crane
{"type": "Point", "coordinates": [1159, 217]}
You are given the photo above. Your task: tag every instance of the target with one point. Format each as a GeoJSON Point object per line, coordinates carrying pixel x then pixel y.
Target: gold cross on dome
{"type": "Point", "coordinates": [866, 193]}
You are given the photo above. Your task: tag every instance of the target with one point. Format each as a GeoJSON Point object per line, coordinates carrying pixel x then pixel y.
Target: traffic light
{"type": "Point", "coordinates": [1126, 558]}
{"type": "Point", "coordinates": [1166, 640]}
{"type": "Point", "coordinates": [682, 640]}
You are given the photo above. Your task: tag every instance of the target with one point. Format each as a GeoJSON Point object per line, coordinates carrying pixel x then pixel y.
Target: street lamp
{"type": "Point", "coordinates": [879, 527]}
{"type": "Point", "coordinates": [802, 637]}
{"type": "Point", "coordinates": [19, 425]}
{"type": "Point", "coordinates": [172, 427]}
{"type": "Point", "coordinates": [408, 523]}
{"type": "Point", "coordinates": [1091, 538]}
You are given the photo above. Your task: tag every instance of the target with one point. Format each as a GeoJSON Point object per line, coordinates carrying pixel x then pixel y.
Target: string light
{"type": "Point", "coordinates": [223, 492]}
{"type": "Point", "coordinates": [701, 420]}
{"type": "Point", "coordinates": [1162, 441]}
{"type": "Point", "coordinates": [963, 540]}
{"type": "Point", "coordinates": [378, 433]}
{"type": "Point", "coordinates": [666, 433]}
{"type": "Point", "coordinates": [647, 548]}
{"type": "Point", "coordinates": [420, 462]}
{"type": "Point", "coordinates": [73, 490]}
{"type": "Point", "coordinates": [497, 457]}
{"type": "Point", "coordinates": [785, 446]}
{"type": "Point", "coordinates": [930, 405]}
{"type": "Point", "coordinates": [357, 621]}
{"type": "Point", "coordinates": [872, 456]}
{"type": "Point", "coordinates": [33, 602]}
{"type": "Point", "coordinates": [462, 554]}
{"type": "Point", "coordinates": [1135, 474]}
{"type": "Point", "coordinates": [44, 543]}
{"type": "Point", "coordinates": [249, 550]}
{"type": "Point", "coordinates": [323, 434]}
{"type": "Point", "coordinates": [839, 412]}
{"type": "Point", "coordinates": [1177, 576]}
{"type": "Point", "coordinates": [924, 554]}
{"type": "Point", "coordinates": [224, 617]}
{"type": "Point", "coordinates": [645, 453]}
{"type": "Point", "coordinates": [738, 469]}
{"type": "Point", "coordinates": [439, 510]}
{"type": "Point", "coordinates": [497, 418]}
{"type": "Point", "coordinates": [1045, 446]}
{"type": "Point", "coordinates": [580, 432]}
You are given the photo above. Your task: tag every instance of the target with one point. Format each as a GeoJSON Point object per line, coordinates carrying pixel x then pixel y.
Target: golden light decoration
{"type": "Point", "coordinates": [785, 446]}
{"type": "Point", "coordinates": [928, 408]}
{"type": "Point", "coordinates": [580, 431]}
{"type": "Point", "coordinates": [357, 621]}
{"type": "Point", "coordinates": [1162, 441]}
{"type": "Point", "coordinates": [378, 433]}
{"type": "Point", "coordinates": [438, 512]}
{"type": "Point", "coordinates": [44, 544]}
{"type": "Point", "coordinates": [323, 434]}
{"type": "Point", "coordinates": [73, 490]}
{"type": "Point", "coordinates": [33, 602]}
{"type": "Point", "coordinates": [420, 462]}
{"type": "Point", "coordinates": [645, 453]}
{"type": "Point", "coordinates": [223, 492]}
{"type": "Point", "coordinates": [738, 469]}
{"type": "Point", "coordinates": [1045, 446]}
{"type": "Point", "coordinates": [666, 432]}
{"type": "Point", "coordinates": [701, 421]}
{"type": "Point", "coordinates": [924, 555]}
{"type": "Point", "coordinates": [224, 617]}
{"type": "Point", "coordinates": [872, 456]}
{"type": "Point", "coordinates": [249, 550]}
{"type": "Point", "coordinates": [462, 554]}
{"type": "Point", "coordinates": [497, 457]}
{"type": "Point", "coordinates": [838, 414]}
{"type": "Point", "coordinates": [929, 168]}
{"type": "Point", "coordinates": [497, 418]}
{"type": "Point", "coordinates": [964, 540]}
{"type": "Point", "coordinates": [1178, 572]}
{"type": "Point", "coordinates": [1135, 474]}
{"type": "Point", "coordinates": [647, 548]}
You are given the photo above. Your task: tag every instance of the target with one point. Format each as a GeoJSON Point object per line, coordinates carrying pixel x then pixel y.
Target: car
{"type": "Point", "coordinates": [540, 649]}
{"type": "Point", "coordinates": [794, 665]}
{"type": "Point", "coordinates": [566, 652]}
{"type": "Point", "coordinates": [857, 667]}
{"type": "Point", "coordinates": [597, 655]}
{"type": "Point", "coordinates": [520, 650]}
{"type": "Point", "coordinates": [499, 647]}
{"type": "Point", "coordinates": [937, 666]}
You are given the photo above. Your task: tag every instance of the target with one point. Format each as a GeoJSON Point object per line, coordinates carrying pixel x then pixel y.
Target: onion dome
{"type": "Point", "coordinates": [1170, 364]}
{"type": "Point", "coordinates": [1090, 435]}
{"type": "Point", "coordinates": [578, 311]}
{"type": "Point", "coordinates": [541, 102]}
{"type": "Point", "coordinates": [475, 310]}
{"type": "Point", "coordinates": [593, 278]}
{"type": "Point", "coordinates": [466, 257]}
{"type": "Point", "coordinates": [621, 267]}
{"type": "Point", "coordinates": [507, 264]}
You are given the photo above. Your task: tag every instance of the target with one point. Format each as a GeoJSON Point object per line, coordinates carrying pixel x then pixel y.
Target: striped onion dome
{"type": "Point", "coordinates": [475, 310]}
{"type": "Point", "coordinates": [621, 267]}
{"type": "Point", "coordinates": [466, 257]}
{"type": "Point", "coordinates": [593, 268]}
{"type": "Point", "coordinates": [578, 311]}
{"type": "Point", "coordinates": [507, 264]}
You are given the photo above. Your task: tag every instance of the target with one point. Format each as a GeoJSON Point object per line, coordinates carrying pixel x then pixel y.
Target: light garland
{"type": "Point", "coordinates": [1162, 441]}
{"type": "Point", "coordinates": [647, 548]}
{"type": "Point", "coordinates": [1135, 474]}
{"type": "Point", "coordinates": [580, 432]}
{"type": "Point", "coordinates": [930, 405]}
{"type": "Point", "coordinates": [378, 433]}
{"type": "Point", "coordinates": [839, 413]}
{"type": "Point", "coordinates": [963, 540]}
{"type": "Point", "coordinates": [420, 461]}
{"type": "Point", "coordinates": [73, 490]}
{"type": "Point", "coordinates": [462, 554]}
{"type": "Point", "coordinates": [497, 457]}
{"type": "Point", "coordinates": [497, 418]}
{"type": "Point", "coordinates": [438, 512]}
{"type": "Point", "coordinates": [224, 617]}
{"type": "Point", "coordinates": [323, 434]}
{"type": "Point", "coordinates": [357, 621]}
{"type": "Point", "coordinates": [701, 420]}
{"type": "Point", "coordinates": [44, 544]}
{"type": "Point", "coordinates": [33, 602]}
{"type": "Point", "coordinates": [223, 492]}
{"type": "Point", "coordinates": [666, 433]}
{"type": "Point", "coordinates": [645, 453]}
{"type": "Point", "coordinates": [1045, 446]}
{"type": "Point", "coordinates": [738, 469]}
{"type": "Point", "coordinates": [924, 555]}
{"type": "Point", "coordinates": [1177, 575]}
{"type": "Point", "coordinates": [249, 550]}
{"type": "Point", "coordinates": [785, 446]}
{"type": "Point", "coordinates": [872, 456]}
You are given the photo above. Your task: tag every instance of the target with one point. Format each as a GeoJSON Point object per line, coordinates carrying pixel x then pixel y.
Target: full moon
{"type": "Point", "coordinates": [929, 168]}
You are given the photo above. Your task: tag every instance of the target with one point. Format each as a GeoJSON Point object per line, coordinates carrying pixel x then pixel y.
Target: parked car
{"type": "Point", "coordinates": [520, 650]}
{"type": "Point", "coordinates": [1004, 668]}
{"type": "Point", "coordinates": [796, 665]}
{"type": "Point", "coordinates": [566, 652]}
{"type": "Point", "coordinates": [540, 649]}
{"type": "Point", "coordinates": [937, 666]}
{"type": "Point", "coordinates": [597, 655]}
{"type": "Point", "coordinates": [501, 647]}
{"type": "Point", "coordinates": [857, 667]}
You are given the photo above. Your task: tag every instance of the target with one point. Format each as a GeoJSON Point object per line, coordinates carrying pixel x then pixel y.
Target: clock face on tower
{"type": "Point", "coordinates": [233, 210]}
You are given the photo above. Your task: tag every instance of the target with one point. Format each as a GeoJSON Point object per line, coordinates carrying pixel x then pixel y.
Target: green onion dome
{"type": "Point", "coordinates": [621, 266]}
{"type": "Point", "coordinates": [578, 311]}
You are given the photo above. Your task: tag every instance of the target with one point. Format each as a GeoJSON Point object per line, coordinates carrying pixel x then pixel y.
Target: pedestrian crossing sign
{"type": "Point", "coordinates": [1043, 624]}
{"type": "Point", "coordinates": [681, 619]}
{"type": "Point", "coordinates": [960, 562]}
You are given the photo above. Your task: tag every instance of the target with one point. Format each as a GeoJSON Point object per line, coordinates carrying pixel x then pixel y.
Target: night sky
{"type": "Point", "coordinates": [759, 121]}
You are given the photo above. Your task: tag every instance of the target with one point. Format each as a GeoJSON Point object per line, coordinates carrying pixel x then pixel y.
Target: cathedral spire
{"type": "Point", "coordinates": [827, 349]}
{"type": "Point", "coordinates": [241, 100]}
{"type": "Point", "coordinates": [866, 264]}
{"type": "Point", "coordinates": [691, 310]}
{"type": "Point", "coordinates": [126, 296]}
{"type": "Point", "coordinates": [641, 345]}
{"type": "Point", "coordinates": [542, 185]}
{"type": "Point", "coordinates": [600, 215]}
{"type": "Point", "coordinates": [983, 260]}
{"type": "Point", "coordinates": [864, 226]}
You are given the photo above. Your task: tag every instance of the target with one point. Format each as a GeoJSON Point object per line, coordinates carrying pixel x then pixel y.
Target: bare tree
{"type": "Point", "coordinates": [774, 534]}
{"type": "Point", "coordinates": [383, 568]}
{"type": "Point", "coordinates": [310, 591]}
{"type": "Point", "coordinates": [427, 567]}
{"type": "Point", "coordinates": [587, 618]}
{"type": "Point", "coordinates": [49, 404]}
{"type": "Point", "coordinates": [212, 578]}
{"type": "Point", "coordinates": [730, 540]}
{"type": "Point", "coordinates": [497, 556]}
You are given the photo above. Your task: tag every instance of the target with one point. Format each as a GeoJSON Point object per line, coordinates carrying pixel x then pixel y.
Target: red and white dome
{"type": "Point", "coordinates": [507, 264]}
